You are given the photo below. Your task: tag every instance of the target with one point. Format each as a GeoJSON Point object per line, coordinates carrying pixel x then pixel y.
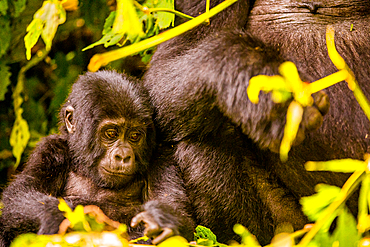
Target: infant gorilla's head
{"type": "Point", "coordinates": [107, 119]}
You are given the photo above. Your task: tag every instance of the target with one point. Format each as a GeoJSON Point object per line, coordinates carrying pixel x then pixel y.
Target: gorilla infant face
{"type": "Point", "coordinates": [120, 139]}
{"type": "Point", "coordinates": [109, 128]}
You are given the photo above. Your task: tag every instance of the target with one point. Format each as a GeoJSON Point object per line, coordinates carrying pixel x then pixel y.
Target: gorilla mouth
{"type": "Point", "coordinates": [114, 172]}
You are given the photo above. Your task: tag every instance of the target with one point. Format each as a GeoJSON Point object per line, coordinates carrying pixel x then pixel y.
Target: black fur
{"type": "Point", "coordinates": [198, 81]}
{"type": "Point", "coordinates": [68, 165]}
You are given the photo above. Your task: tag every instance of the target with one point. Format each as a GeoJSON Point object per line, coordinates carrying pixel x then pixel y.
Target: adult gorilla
{"type": "Point", "coordinates": [226, 173]}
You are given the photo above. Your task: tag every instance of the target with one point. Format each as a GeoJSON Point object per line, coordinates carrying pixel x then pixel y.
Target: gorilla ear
{"type": "Point", "coordinates": [68, 119]}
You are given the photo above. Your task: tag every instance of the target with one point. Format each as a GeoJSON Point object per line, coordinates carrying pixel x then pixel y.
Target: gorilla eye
{"type": "Point", "coordinates": [135, 137]}
{"type": "Point", "coordinates": [111, 133]}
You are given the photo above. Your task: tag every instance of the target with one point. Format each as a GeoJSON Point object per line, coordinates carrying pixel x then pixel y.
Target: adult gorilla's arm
{"type": "Point", "coordinates": [30, 202]}
{"type": "Point", "coordinates": [191, 89]}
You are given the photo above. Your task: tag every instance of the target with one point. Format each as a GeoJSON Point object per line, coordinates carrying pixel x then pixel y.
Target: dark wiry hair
{"type": "Point", "coordinates": [105, 95]}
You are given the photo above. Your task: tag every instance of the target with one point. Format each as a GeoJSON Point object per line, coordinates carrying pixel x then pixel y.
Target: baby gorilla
{"type": "Point", "coordinates": [99, 158]}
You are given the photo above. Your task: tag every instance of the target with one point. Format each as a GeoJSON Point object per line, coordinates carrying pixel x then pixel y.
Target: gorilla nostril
{"type": "Point", "coordinates": [127, 159]}
{"type": "Point", "coordinates": [118, 158]}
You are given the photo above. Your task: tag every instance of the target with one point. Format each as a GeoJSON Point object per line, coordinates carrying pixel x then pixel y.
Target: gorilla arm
{"type": "Point", "coordinates": [215, 74]}
{"type": "Point", "coordinates": [30, 202]}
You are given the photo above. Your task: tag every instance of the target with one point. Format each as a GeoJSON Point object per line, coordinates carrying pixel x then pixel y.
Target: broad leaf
{"type": "Point", "coordinates": [165, 19]}
{"type": "Point", "coordinates": [45, 23]}
{"type": "Point", "coordinates": [314, 206]}
{"type": "Point", "coordinates": [19, 137]}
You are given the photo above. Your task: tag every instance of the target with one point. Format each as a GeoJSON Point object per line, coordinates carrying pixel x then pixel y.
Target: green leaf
{"type": "Point", "coordinates": [344, 235]}
{"type": "Point", "coordinates": [19, 137]}
{"type": "Point", "coordinates": [165, 19]}
{"type": "Point", "coordinates": [108, 24]}
{"type": "Point", "coordinates": [122, 23]}
{"type": "Point", "coordinates": [45, 23]}
{"type": "Point", "coordinates": [108, 40]}
{"type": "Point", "coordinates": [3, 6]}
{"type": "Point", "coordinates": [5, 36]}
{"type": "Point", "coordinates": [321, 239]}
{"type": "Point", "coordinates": [109, 37]}
{"type": "Point", "coordinates": [34, 31]}
{"type": "Point", "coordinates": [346, 231]}
{"type": "Point", "coordinates": [204, 236]}
{"type": "Point", "coordinates": [127, 20]}
{"type": "Point", "coordinates": [363, 201]}
{"type": "Point", "coordinates": [5, 79]}
{"type": "Point", "coordinates": [53, 14]}
{"type": "Point", "coordinates": [19, 6]}
{"type": "Point", "coordinates": [315, 205]}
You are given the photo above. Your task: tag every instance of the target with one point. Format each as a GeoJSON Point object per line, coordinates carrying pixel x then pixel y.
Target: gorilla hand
{"type": "Point", "coordinates": [153, 229]}
{"type": "Point", "coordinates": [311, 120]}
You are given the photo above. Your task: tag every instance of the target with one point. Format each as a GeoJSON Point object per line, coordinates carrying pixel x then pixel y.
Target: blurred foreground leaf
{"type": "Point", "coordinates": [314, 206]}
{"type": "Point", "coordinates": [248, 238]}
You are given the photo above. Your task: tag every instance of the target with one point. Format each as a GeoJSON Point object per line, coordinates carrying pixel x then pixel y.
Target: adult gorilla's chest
{"type": "Point", "coordinates": [297, 30]}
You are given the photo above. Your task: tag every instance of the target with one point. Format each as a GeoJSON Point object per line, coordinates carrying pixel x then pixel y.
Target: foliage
{"type": "Point", "coordinates": [49, 73]}
{"type": "Point", "coordinates": [137, 24]}
{"type": "Point", "coordinates": [45, 23]}
{"type": "Point", "coordinates": [129, 23]}
{"type": "Point", "coordinates": [90, 228]}
{"type": "Point", "coordinates": [205, 237]}
{"type": "Point", "coordinates": [99, 60]}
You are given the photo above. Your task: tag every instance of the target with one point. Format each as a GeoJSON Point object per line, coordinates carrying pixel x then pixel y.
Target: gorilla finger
{"type": "Point", "coordinates": [63, 227]}
{"type": "Point", "coordinates": [152, 230]}
{"type": "Point", "coordinates": [312, 118]}
{"type": "Point", "coordinates": [137, 219]}
{"type": "Point", "coordinates": [322, 102]}
{"type": "Point", "coordinates": [299, 137]}
{"type": "Point", "coordinates": [167, 232]}
{"type": "Point", "coordinates": [274, 146]}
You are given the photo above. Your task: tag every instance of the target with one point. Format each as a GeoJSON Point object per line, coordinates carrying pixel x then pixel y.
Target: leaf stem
{"type": "Point", "coordinates": [208, 4]}
{"type": "Point", "coordinates": [178, 13]}
{"type": "Point", "coordinates": [339, 62]}
{"type": "Point", "coordinates": [327, 81]}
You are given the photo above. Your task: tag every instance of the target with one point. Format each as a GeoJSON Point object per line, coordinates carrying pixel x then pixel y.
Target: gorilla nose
{"type": "Point", "coordinates": [123, 160]}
